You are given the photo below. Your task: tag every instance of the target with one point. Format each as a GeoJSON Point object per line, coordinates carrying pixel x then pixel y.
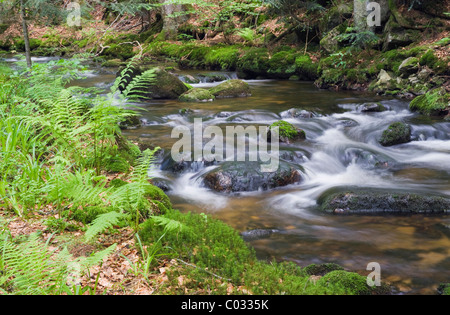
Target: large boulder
{"type": "Point", "coordinates": [330, 42]}
{"type": "Point", "coordinates": [396, 36]}
{"type": "Point", "coordinates": [378, 201]}
{"type": "Point", "coordinates": [231, 177]}
{"type": "Point", "coordinates": [164, 85]}
{"type": "Point", "coordinates": [397, 133]}
{"type": "Point", "coordinates": [409, 66]}
{"type": "Point", "coordinates": [231, 88]}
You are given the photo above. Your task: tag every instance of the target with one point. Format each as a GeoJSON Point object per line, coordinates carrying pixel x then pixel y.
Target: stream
{"type": "Point", "coordinates": [341, 150]}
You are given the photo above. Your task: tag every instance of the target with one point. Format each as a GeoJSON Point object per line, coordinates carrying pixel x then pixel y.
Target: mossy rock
{"type": "Point", "coordinates": [361, 201]}
{"type": "Point", "coordinates": [371, 108]}
{"type": "Point", "coordinates": [397, 133]}
{"type": "Point", "coordinates": [343, 282]}
{"type": "Point", "coordinates": [197, 95]}
{"type": "Point", "coordinates": [287, 132]}
{"type": "Point", "coordinates": [433, 103]}
{"type": "Point", "coordinates": [409, 66]}
{"type": "Point", "coordinates": [231, 88]}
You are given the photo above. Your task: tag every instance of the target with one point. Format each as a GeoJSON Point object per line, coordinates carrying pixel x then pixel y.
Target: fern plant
{"type": "Point", "coordinates": [131, 82]}
{"type": "Point", "coordinates": [31, 269]}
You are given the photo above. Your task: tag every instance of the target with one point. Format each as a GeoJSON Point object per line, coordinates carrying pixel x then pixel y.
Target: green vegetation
{"type": "Point", "coordinates": [288, 131]}
{"type": "Point", "coordinates": [217, 252]}
{"type": "Point", "coordinates": [435, 102]}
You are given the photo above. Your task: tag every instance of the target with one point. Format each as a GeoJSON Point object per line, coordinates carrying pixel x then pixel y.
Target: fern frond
{"type": "Point", "coordinates": [31, 268]}
{"type": "Point", "coordinates": [170, 225]}
{"type": "Point", "coordinates": [102, 223]}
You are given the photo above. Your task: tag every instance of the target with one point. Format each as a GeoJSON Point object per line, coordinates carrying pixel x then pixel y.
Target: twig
{"type": "Point", "coordinates": [104, 33]}
{"type": "Point", "coordinates": [191, 265]}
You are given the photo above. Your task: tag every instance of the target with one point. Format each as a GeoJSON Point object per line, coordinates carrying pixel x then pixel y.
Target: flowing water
{"type": "Point", "coordinates": [341, 150]}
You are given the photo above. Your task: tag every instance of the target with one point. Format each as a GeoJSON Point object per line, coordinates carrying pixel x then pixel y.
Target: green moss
{"type": "Point", "coordinates": [342, 282]}
{"type": "Point", "coordinates": [287, 130]}
{"type": "Point", "coordinates": [123, 52]}
{"type": "Point", "coordinates": [215, 248]}
{"type": "Point", "coordinates": [397, 133]}
{"type": "Point", "coordinates": [306, 68]}
{"type": "Point", "coordinates": [443, 42]}
{"type": "Point", "coordinates": [254, 62]}
{"type": "Point", "coordinates": [156, 194]}
{"type": "Point", "coordinates": [59, 225]}
{"type": "Point", "coordinates": [222, 58]}
{"type": "Point", "coordinates": [357, 76]}
{"type": "Point", "coordinates": [282, 64]}
{"type": "Point", "coordinates": [197, 95]}
{"type": "Point", "coordinates": [114, 63]}
{"type": "Point", "coordinates": [433, 103]}
{"type": "Point", "coordinates": [20, 44]}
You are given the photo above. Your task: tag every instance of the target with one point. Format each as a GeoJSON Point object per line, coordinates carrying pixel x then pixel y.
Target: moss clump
{"type": "Point", "coordinates": [156, 194]}
{"type": "Point", "coordinates": [282, 64]}
{"type": "Point", "coordinates": [305, 68]}
{"type": "Point", "coordinates": [342, 282]}
{"type": "Point", "coordinates": [123, 52]}
{"type": "Point", "coordinates": [231, 88]}
{"type": "Point", "coordinates": [397, 133]}
{"type": "Point", "coordinates": [222, 58]}
{"type": "Point", "coordinates": [34, 44]}
{"type": "Point", "coordinates": [433, 103]}
{"type": "Point", "coordinates": [206, 242]}
{"type": "Point", "coordinates": [288, 131]}
{"type": "Point", "coordinates": [254, 62]}
{"type": "Point", "coordinates": [197, 95]}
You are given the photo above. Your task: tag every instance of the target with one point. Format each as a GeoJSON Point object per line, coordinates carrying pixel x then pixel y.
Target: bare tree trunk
{"type": "Point", "coordinates": [26, 36]}
{"type": "Point", "coordinates": [171, 23]}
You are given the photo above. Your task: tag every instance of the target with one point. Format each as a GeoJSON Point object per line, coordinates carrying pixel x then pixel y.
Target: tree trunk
{"type": "Point", "coordinates": [171, 24]}
{"type": "Point", "coordinates": [26, 37]}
